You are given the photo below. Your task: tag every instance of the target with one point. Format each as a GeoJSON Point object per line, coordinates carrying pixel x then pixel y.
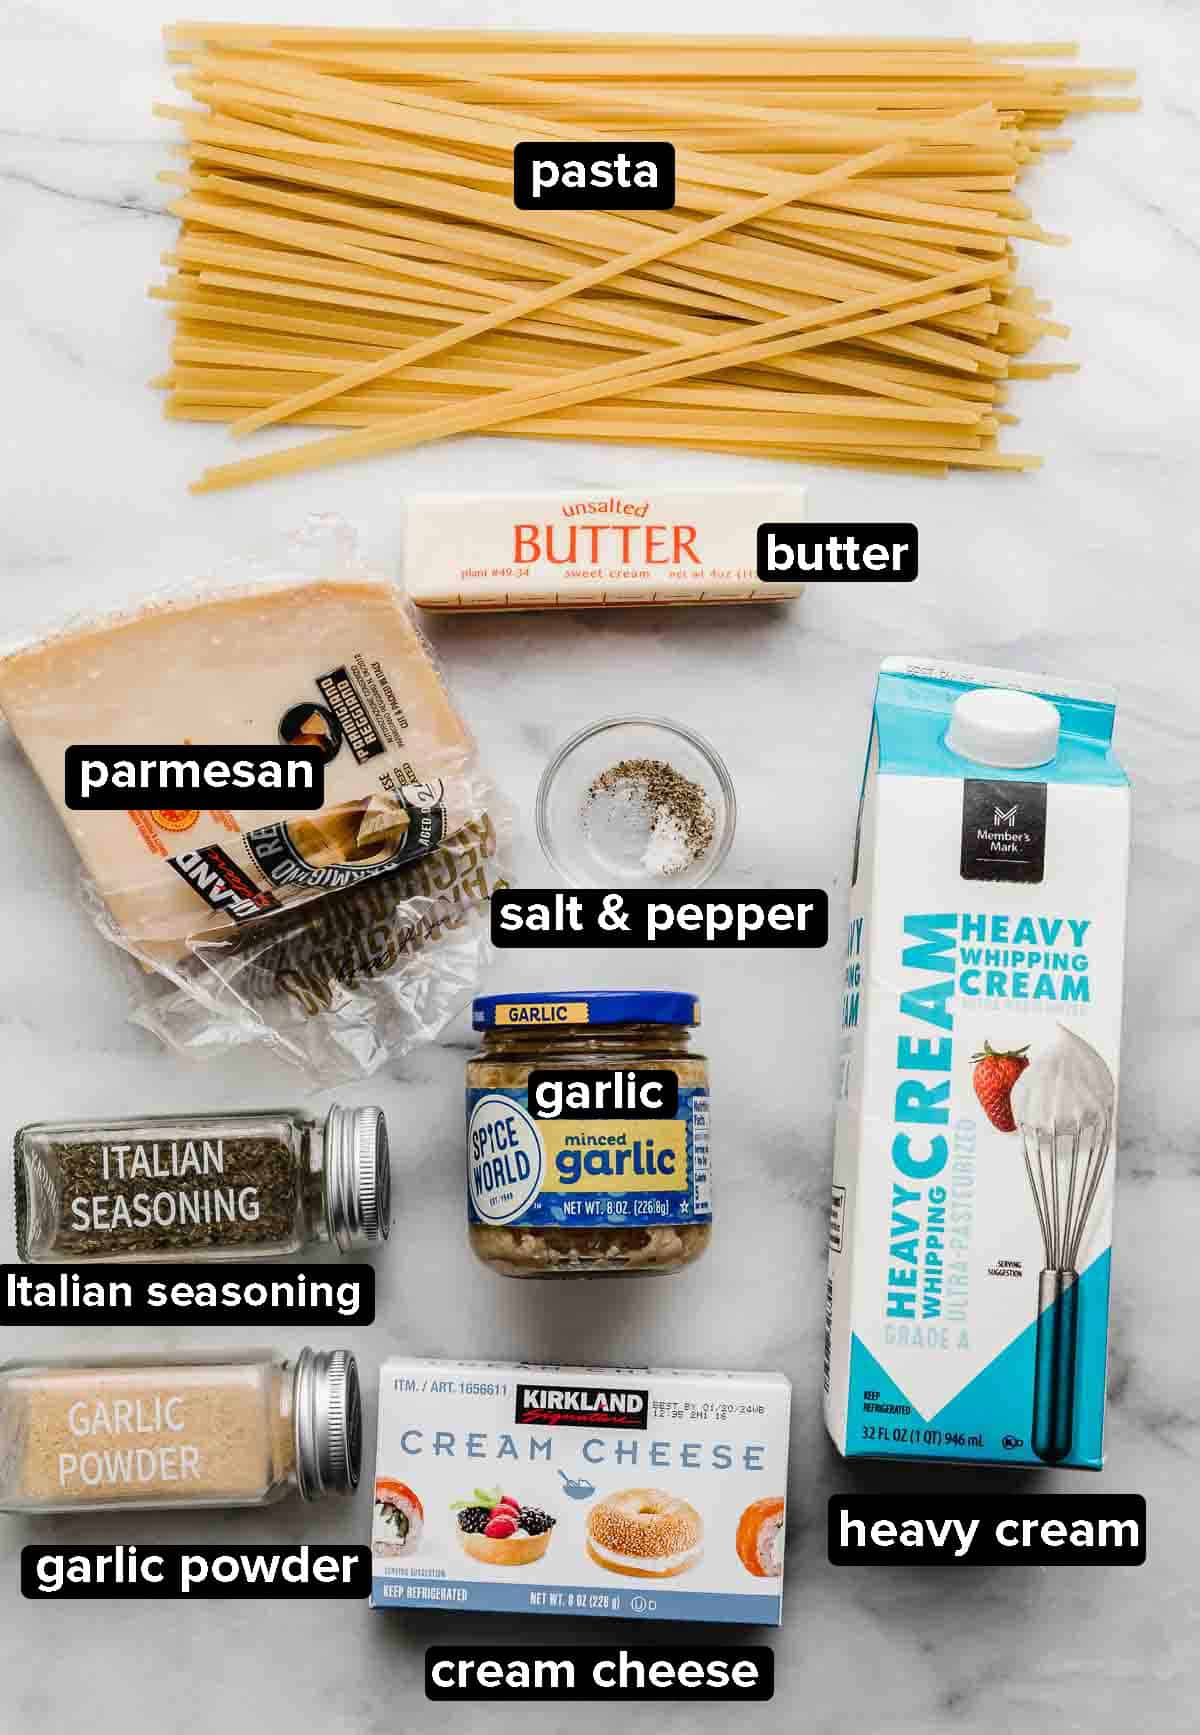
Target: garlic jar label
{"type": "Point", "coordinates": [506, 1159]}
{"type": "Point", "coordinates": [574, 1173]}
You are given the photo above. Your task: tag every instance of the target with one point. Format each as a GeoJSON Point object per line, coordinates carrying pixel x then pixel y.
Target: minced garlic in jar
{"type": "Point", "coordinates": [587, 1134]}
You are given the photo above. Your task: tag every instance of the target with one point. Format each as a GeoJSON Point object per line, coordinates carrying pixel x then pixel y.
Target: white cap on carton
{"type": "Point", "coordinates": [1002, 726]}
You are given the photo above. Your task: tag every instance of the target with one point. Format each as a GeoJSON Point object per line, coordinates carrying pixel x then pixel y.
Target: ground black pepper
{"type": "Point", "coordinates": [677, 811]}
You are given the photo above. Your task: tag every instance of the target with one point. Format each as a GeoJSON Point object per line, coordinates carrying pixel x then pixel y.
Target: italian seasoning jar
{"type": "Point", "coordinates": [241, 1430]}
{"type": "Point", "coordinates": [587, 1134]}
{"type": "Point", "coordinates": [201, 1186]}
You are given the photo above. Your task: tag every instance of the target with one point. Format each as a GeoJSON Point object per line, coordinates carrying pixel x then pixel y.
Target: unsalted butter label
{"type": "Point", "coordinates": [593, 548]}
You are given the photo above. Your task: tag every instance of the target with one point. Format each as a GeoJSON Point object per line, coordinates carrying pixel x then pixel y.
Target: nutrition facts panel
{"type": "Point", "coordinates": [701, 1173]}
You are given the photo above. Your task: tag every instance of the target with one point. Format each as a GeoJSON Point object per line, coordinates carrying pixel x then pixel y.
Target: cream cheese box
{"type": "Point", "coordinates": [593, 548]}
{"type": "Point", "coordinates": [641, 1493]}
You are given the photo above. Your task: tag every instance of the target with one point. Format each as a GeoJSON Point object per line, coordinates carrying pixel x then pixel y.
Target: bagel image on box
{"type": "Point", "coordinates": [583, 1491]}
{"type": "Point", "coordinates": [971, 1229]}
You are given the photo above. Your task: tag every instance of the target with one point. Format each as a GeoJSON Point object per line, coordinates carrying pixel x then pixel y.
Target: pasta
{"type": "Point", "coordinates": [835, 283]}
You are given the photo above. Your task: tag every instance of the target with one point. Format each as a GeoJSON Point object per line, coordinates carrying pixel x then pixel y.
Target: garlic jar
{"type": "Point", "coordinates": [587, 1134]}
{"type": "Point", "coordinates": [140, 1431]}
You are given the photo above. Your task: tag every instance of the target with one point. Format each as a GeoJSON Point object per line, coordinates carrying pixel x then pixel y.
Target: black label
{"type": "Point", "coordinates": [216, 877]}
{"type": "Point", "coordinates": [312, 726]}
{"type": "Point", "coordinates": [794, 919]}
{"type": "Point", "coordinates": [181, 781]}
{"type": "Point", "coordinates": [868, 553]}
{"type": "Point", "coordinates": [987, 1529]}
{"type": "Point", "coordinates": [551, 1405]}
{"type": "Point", "coordinates": [1003, 831]}
{"type": "Point", "coordinates": [603, 1094]}
{"type": "Point", "coordinates": [123, 1572]}
{"type": "Point", "coordinates": [612, 175]}
{"type": "Point", "coordinates": [341, 695]}
{"type": "Point", "coordinates": [596, 1673]}
{"type": "Point", "coordinates": [245, 1292]}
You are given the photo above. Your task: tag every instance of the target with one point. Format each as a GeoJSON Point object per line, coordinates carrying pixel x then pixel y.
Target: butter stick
{"type": "Point", "coordinates": [593, 548]}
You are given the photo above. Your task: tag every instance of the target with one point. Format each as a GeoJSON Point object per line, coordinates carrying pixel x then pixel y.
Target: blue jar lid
{"type": "Point", "coordinates": [585, 1006]}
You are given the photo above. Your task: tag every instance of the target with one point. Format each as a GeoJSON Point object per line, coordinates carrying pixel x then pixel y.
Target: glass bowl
{"type": "Point", "coordinates": [601, 827]}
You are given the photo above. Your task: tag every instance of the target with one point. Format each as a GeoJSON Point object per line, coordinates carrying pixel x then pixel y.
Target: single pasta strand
{"type": "Point", "coordinates": [504, 41]}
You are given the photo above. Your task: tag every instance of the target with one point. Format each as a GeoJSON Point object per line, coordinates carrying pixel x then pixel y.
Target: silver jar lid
{"type": "Point", "coordinates": [327, 1422]}
{"type": "Point", "coordinates": [358, 1177]}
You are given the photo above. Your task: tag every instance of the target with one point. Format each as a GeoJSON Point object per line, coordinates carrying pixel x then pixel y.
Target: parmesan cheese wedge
{"type": "Point", "coordinates": [227, 668]}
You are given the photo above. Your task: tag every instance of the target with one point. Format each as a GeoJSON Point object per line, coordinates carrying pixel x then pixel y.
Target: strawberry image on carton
{"type": "Point", "coordinates": [967, 1301]}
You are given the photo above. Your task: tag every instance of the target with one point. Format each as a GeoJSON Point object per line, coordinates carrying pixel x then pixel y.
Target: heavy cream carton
{"type": "Point", "coordinates": [585, 1491]}
{"type": "Point", "coordinates": [971, 1225]}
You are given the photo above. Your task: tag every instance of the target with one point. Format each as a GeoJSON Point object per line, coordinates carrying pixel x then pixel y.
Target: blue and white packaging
{"type": "Point", "coordinates": [971, 1225]}
{"type": "Point", "coordinates": [636, 1492]}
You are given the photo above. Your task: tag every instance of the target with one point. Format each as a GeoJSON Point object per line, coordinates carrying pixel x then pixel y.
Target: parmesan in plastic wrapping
{"type": "Point", "coordinates": [329, 660]}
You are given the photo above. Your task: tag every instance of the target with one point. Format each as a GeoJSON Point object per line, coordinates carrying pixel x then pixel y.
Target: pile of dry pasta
{"type": "Point", "coordinates": [837, 281]}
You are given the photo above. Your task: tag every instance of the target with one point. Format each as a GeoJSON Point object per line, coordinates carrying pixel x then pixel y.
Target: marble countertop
{"type": "Point", "coordinates": [1087, 569]}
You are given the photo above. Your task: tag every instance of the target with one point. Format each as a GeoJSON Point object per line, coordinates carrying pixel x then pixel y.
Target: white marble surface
{"type": "Point", "coordinates": [1088, 568]}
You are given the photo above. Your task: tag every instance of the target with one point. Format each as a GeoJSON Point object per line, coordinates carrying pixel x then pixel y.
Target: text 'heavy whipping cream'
{"type": "Point", "coordinates": [967, 1302]}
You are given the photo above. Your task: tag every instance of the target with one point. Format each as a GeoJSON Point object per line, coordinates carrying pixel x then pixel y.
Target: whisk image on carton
{"type": "Point", "coordinates": [1063, 1107]}
{"type": "Point", "coordinates": [971, 1231]}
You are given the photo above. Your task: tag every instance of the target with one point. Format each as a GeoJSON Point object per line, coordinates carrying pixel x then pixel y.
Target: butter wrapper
{"type": "Point", "coordinates": [593, 548]}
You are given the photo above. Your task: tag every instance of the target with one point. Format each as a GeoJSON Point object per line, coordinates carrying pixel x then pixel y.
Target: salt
{"type": "Point", "coordinates": [668, 851]}
{"type": "Point", "coordinates": [646, 818]}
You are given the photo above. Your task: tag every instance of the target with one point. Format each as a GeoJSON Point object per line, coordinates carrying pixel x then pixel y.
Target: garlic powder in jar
{"type": "Point", "coordinates": [587, 1134]}
{"type": "Point", "coordinates": [242, 1429]}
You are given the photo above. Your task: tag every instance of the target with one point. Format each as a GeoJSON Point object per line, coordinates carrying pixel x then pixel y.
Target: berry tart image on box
{"type": "Point", "coordinates": [588, 1491]}
{"type": "Point", "coordinates": [499, 1530]}
{"type": "Point", "coordinates": [971, 1230]}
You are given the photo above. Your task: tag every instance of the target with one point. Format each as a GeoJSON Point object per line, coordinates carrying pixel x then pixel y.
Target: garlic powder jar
{"type": "Point", "coordinates": [242, 1429]}
{"type": "Point", "coordinates": [587, 1134]}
